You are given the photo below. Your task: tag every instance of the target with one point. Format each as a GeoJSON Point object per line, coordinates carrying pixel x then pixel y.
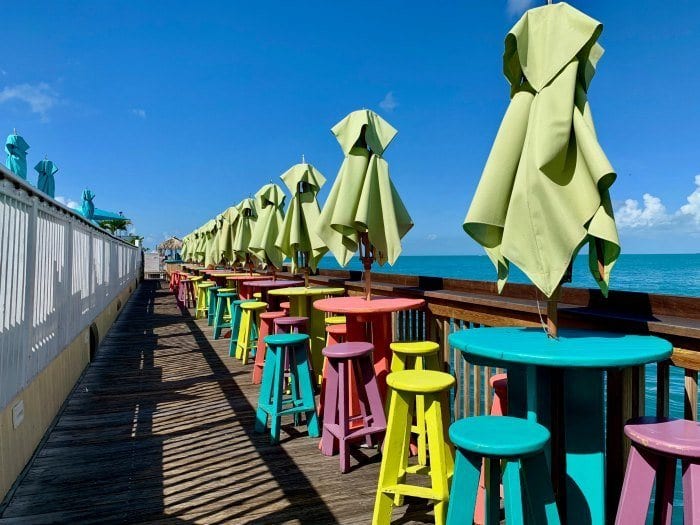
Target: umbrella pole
{"type": "Point", "coordinates": [367, 258]}
{"type": "Point", "coordinates": [552, 314]}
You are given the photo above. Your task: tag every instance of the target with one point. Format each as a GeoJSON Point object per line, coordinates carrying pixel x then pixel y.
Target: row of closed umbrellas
{"type": "Point", "coordinates": [16, 148]}
{"type": "Point", "coordinates": [542, 197]}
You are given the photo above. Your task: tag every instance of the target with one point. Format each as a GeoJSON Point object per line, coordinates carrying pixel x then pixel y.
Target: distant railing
{"type": "Point", "coordinates": [453, 304]}
{"type": "Point", "coordinates": [57, 273]}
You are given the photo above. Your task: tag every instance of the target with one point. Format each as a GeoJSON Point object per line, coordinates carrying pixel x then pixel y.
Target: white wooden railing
{"type": "Point", "coordinates": [58, 272]}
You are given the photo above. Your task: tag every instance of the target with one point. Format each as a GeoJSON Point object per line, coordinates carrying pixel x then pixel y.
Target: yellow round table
{"type": "Point", "coordinates": [300, 304]}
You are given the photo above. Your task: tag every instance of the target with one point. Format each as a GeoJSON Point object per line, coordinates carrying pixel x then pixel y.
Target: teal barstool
{"type": "Point", "coordinates": [211, 313]}
{"type": "Point", "coordinates": [516, 443]}
{"type": "Point", "coordinates": [235, 314]}
{"type": "Point", "coordinates": [273, 403]}
{"type": "Point", "coordinates": [223, 306]}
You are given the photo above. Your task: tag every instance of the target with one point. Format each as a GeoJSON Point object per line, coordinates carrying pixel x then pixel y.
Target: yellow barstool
{"type": "Point", "coordinates": [404, 387]}
{"type": "Point", "coordinates": [334, 319]}
{"type": "Point", "coordinates": [417, 355]}
{"type": "Point", "coordinates": [202, 298]}
{"type": "Point", "coordinates": [250, 328]}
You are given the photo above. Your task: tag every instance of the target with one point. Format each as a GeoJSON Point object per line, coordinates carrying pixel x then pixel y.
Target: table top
{"type": "Point", "coordinates": [269, 283]}
{"type": "Point", "coordinates": [360, 305]}
{"type": "Point", "coordinates": [245, 277]}
{"type": "Point", "coordinates": [310, 291]}
{"type": "Point", "coordinates": [573, 349]}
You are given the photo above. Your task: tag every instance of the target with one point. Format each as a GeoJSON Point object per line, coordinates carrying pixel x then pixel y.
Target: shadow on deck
{"type": "Point", "coordinates": [160, 429]}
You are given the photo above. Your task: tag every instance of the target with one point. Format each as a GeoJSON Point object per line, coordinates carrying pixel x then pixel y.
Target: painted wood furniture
{"type": "Point", "coordinates": [222, 318]}
{"type": "Point", "coordinates": [203, 299]}
{"type": "Point", "coordinates": [519, 445]}
{"type": "Point", "coordinates": [337, 434]}
{"type": "Point", "coordinates": [301, 300]}
{"type": "Point", "coordinates": [263, 286]}
{"type": "Point", "coordinates": [404, 386]}
{"type": "Point", "coordinates": [235, 313]}
{"type": "Point", "coordinates": [657, 445]}
{"type": "Point", "coordinates": [250, 329]}
{"type": "Point", "coordinates": [234, 281]}
{"type": "Point", "coordinates": [370, 321]}
{"type": "Point", "coordinates": [273, 403]}
{"type": "Point", "coordinates": [576, 361]}
{"type": "Point", "coordinates": [267, 327]}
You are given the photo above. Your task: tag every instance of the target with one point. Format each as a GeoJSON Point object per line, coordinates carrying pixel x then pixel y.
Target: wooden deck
{"type": "Point", "coordinates": [160, 429]}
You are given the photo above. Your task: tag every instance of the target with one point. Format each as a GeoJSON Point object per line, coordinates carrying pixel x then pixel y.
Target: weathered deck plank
{"type": "Point", "coordinates": [160, 430]}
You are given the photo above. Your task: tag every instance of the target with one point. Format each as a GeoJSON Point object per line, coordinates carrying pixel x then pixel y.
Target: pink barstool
{"type": "Point", "coordinates": [186, 293]}
{"type": "Point", "coordinates": [499, 407]}
{"type": "Point", "coordinates": [336, 333]}
{"type": "Point", "coordinates": [284, 306]}
{"type": "Point", "coordinates": [657, 443]}
{"type": "Point", "coordinates": [350, 362]}
{"type": "Point", "coordinates": [267, 327]}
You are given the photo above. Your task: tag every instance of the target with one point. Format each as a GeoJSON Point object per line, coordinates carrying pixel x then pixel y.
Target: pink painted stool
{"type": "Point", "coordinates": [284, 306]}
{"type": "Point", "coordinates": [656, 445]}
{"type": "Point", "coordinates": [186, 293]}
{"type": "Point", "coordinates": [266, 328]}
{"type": "Point", "coordinates": [499, 407]}
{"type": "Point", "coordinates": [342, 359]}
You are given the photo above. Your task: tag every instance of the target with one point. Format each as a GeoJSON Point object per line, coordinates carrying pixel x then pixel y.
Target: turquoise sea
{"type": "Point", "coordinates": [674, 274]}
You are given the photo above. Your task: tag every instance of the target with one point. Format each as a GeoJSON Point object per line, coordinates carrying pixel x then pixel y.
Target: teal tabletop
{"type": "Point", "coordinates": [573, 348]}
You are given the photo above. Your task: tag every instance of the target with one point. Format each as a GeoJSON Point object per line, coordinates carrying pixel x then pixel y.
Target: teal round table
{"type": "Point", "coordinates": [576, 361]}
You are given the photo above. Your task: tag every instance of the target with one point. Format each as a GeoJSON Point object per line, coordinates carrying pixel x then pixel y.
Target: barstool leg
{"type": "Point", "coordinates": [398, 433]}
{"type": "Point", "coordinates": [538, 488]}
{"type": "Point", "coordinates": [265, 397]}
{"type": "Point", "coordinates": [492, 482]}
{"type": "Point", "coordinates": [277, 394]}
{"type": "Point", "coordinates": [438, 464]}
{"type": "Point", "coordinates": [330, 407]}
{"type": "Point", "coordinates": [465, 484]}
{"type": "Point", "coordinates": [344, 401]}
{"type": "Point", "coordinates": [513, 493]}
{"type": "Point", "coordinates": [665, 483]}
{"type": "Point", "coordinates": [691, 493]}
{"type": "Point", "coordinates": [307, 390]}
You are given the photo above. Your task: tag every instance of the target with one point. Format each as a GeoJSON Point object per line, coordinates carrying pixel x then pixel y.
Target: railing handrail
{"type": "Point", "coordinates": [22, 184]}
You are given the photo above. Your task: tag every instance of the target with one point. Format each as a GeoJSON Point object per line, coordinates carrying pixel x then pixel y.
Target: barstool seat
{"type": "Point", "coordinates": [420, 381]}
{"type": "Point", "coordinates": [345, 350]}
{"type": "Point", "coordinates": [502, 437]}
{"type": "Point", "coordinates": [335, 319]}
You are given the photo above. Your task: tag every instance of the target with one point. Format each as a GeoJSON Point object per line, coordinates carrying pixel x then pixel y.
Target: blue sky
{"type": "Point", "coordinates": [172, 112]}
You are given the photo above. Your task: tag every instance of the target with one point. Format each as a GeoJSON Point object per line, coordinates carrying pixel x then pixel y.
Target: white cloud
{"type": "Point", "coordinates": [652, 214]}
{"type": "Point", "coordinates": [40, 97]}
{"type": "Point", "coordinates": [431, 236]}
{"type": "Point", "coordinates": [518, 7]}
{"type": "Point", "coordinates": [389, 102]}
{"type": "Point", "coordinates": [140, 113]}
{"type": "Point", "coordinates": [68, 202]}
{"type": "Point", "coordinates": [692, 209]}
{"type": "Point", "coordinates": [631, 215]}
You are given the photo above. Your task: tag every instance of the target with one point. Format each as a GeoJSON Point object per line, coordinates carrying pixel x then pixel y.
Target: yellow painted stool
{"type": "Point", "coordinates": [249, 330]}
{"type": "Point", "coordinates": [202, 298]}
{"type": "Point", "coordinates": [195, 281]}
{"type": "Point", "coordinates": [334, 319]}
{"type": "Point", "coordinates": [416, 355]}
{"type": "Point", "coordinates": [257, 295]}
{"type": "Point", "coordinates": [404, 387]}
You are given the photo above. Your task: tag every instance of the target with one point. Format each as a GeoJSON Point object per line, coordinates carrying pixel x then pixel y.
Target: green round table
{"type": "Point", "coordinates": [577, 359]}
{"type": "Point", "coordinates": [300, 304]}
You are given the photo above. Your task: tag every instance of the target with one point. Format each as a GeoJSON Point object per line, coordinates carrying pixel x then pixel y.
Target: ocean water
{"type": "Point", "coordinates": [673, 274]}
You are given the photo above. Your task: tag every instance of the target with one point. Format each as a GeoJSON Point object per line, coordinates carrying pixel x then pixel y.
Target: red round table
{"type": "Point", "coordinates": [370, 321]}
{"type": "Point", "coordinates": [248, 288]}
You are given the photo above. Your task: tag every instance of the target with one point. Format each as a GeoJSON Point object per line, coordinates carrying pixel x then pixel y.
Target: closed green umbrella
{"type": "Point", "coordinates": [210, 242]}
{"type": "Point", "coordinates": [16, 148]}
{"type": "Point", "coordinates": [186, 248]}
{"type": "Point", "coordinates": [544, 192]}
{"type": "Point", "coordinates": [46, 182]}
{"type": "Point", "coordinates": [269, 202]}
{"type": "Point", "coordinates": [244, 228]}
{"type": "Point", "coordinates": [228, 229]}
{"type": "Point", "coordinates": [298, 239]}
{"type": "Point", "coordinates": [363, 206]}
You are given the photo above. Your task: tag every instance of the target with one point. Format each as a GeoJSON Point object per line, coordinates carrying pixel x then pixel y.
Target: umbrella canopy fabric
{"type": "Point", "coordinates": [227, 231]}
{"type": "Point", "coordinates": [244, 228]}
{"type": "Point", "coordinates": [363, 197]}
{"type": "Point", "coordinates": [210, 242]}
{"type": "Point", "coordinates": [46, 182]}
{"type": "Point", "coordinates": [544, 191]}
{"type": "Point", "coordinates": [16, 148]}
{"type": "Point", "coordinates": [269, 202]}
{"type": "Point", "coordinates": [88, 210]}
{"type": "Point", "coordinates": [298, 232]}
